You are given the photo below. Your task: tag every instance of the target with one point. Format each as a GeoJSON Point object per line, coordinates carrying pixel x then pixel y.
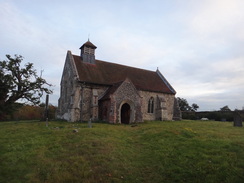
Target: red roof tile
{"type": "Point", "coordinates": [111, 90]}
{"type": "Point", "coordinates": [107, 73]}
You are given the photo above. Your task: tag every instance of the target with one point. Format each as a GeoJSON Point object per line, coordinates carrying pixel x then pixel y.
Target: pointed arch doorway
{"type": "Point", "coordinates": [125, 113]}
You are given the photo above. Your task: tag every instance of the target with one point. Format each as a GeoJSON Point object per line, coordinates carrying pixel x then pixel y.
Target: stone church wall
{"type": "Point", "coordinates": [67, 92]}
{"type": "Point", "coordinates": [104, 110]}
{"type": "Point", "coordinates": [88, 108]}
{"type": "Point", "coordinates": [75, 103]}
{"type": "Point", "coordinates": [165, 112]}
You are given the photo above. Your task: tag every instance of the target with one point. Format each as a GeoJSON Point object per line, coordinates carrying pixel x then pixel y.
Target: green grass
{"type": "Point", "coordinates": [185, 151]}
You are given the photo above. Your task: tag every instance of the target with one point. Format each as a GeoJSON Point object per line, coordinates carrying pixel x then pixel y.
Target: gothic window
{"type": "Point", "coordinates": [150, 105]}
{"type": "Point", "coordinates": [95, 97]}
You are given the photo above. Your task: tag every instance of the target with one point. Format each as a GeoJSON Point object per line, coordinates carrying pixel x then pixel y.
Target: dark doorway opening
{"type": "Point", "coordinates": [125, 113]}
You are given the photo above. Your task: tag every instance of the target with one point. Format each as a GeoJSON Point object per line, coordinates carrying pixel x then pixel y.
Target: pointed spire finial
{"type": "Point", "coordinates": [89, 37]}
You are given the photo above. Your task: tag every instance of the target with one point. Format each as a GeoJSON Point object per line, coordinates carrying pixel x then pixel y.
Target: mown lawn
{"type": "Point", "coordinates": [185, 151]}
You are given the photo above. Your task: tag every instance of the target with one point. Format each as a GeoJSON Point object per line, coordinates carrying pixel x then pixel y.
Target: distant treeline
{"type": "Point", "coordinates": [30, 112]}
{"type": "Point", "coordinates": [211, 115]}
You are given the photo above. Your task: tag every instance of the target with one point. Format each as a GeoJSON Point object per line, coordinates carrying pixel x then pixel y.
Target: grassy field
{"type": "Point", "coordinates": [185, 151]}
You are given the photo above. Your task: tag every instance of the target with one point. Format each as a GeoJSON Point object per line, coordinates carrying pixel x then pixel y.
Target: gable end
{"type": "Point", "coordinates": [165, 81]}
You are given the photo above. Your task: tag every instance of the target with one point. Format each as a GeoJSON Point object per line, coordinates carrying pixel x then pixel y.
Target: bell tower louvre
{"type": "Point", "coordinates": [88, 52]}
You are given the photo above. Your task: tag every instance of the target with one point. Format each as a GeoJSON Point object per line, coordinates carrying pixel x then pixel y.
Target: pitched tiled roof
{"type": "Point", "coordinates": [88, 44]}
{"type": "Point", "coordinates": [107, 73]}
{"type": "Point", "coordinates": [111, 90]}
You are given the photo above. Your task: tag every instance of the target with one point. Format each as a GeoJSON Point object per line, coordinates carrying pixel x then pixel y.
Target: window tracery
{"type": "Point", "coordinates": [150, 105]}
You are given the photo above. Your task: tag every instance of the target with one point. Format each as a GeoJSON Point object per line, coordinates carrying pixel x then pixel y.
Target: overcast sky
{"type": "Point", "coordinates": [198, 45]}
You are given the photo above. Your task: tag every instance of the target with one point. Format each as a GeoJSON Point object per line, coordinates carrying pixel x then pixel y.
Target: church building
{"type": "Point", "coordinates": [99, 90]}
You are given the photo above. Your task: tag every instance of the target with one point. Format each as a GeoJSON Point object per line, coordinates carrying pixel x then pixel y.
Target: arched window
{"type": "Point", "coordinates": [150, 105]}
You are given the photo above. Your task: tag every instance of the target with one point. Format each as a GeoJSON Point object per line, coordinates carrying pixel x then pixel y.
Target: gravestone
{"type": "Point", "coordinates": [90, 123]}
{"type": "Point", "coordinates": [237, 119]}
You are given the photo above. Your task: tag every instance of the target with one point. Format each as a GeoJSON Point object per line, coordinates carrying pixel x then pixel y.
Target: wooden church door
{"type": "Point", "coordinates": [125, 113]}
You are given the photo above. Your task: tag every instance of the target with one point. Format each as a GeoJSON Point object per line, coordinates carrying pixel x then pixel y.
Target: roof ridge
{"type": "Point", "coordinates": [121, 65]}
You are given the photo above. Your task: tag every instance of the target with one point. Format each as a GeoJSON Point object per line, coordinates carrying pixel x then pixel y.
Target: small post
{"type": "Point", "coordinates": [237, 119]}
{"type": "Point", "coordinates": [46, 110]}
{"type": "Point", "coordinates": [90, 123]}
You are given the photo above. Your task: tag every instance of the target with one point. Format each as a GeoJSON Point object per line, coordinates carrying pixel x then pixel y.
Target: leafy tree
{"type": "Point", "coordinates": [19, 83]}
{"type": "Point", "coordinates": [184, 105]}
{"type": "Point", "coordinates": [225, 108]}
{"type": "Point", "coordinates": [194, 107]}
